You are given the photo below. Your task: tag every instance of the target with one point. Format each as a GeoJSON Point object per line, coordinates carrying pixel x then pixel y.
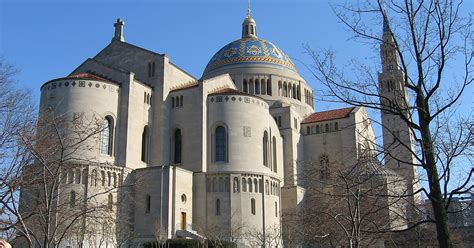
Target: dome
{"type": "Point", "coordinates": [249, 50]}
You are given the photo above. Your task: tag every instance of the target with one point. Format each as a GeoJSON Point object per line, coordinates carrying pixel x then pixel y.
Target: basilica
{"type": "Point", "coordinates": [219, 155]}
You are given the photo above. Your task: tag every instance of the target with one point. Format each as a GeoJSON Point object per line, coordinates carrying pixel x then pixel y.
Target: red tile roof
{"type": "Point", "coordinates": [328, 115]}
{"type": "Point", "coordinates": [185, 86]}
{"type": "Point", "coordinates": [87, 76]}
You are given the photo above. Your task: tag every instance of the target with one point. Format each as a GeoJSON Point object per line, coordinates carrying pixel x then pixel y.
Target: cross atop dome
{"type": "Point", "coordinates": [119, 30]}
{"type": "Point", "coordinates": [249, 26]}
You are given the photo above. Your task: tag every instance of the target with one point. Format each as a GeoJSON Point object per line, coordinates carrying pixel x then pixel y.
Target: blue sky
{"type": "Point", "coordinates": [48, 39]}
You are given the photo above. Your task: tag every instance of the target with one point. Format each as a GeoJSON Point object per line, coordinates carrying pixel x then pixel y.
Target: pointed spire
{"type": "Point", "coordinates": [248, 9]}
{"type": "Point", "coordinates": [119, 30]}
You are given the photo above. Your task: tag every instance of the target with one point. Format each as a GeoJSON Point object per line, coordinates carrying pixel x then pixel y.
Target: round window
{"type": "Point", "coordinates": [183, 198]}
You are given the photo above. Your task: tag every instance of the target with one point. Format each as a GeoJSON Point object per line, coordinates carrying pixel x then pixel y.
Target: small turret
{"type": "Point", "coordinates": [119, 30]}
{"type": "Point", "coordinates": [249, 26]}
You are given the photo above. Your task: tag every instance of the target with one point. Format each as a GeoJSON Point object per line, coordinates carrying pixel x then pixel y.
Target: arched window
{"type": "Point", "coordinates": [214, 185]}
{"type": "Point", "coordinates": [326, 127]}
{"type": "Point", "coordinates": [336, 126]}
{"type": "Point", "coordinates": [110, 202]}
{"type": "Point", "coordinates": [275, 165]}
{"type": "Point", "coordinates": [109, 179]}
{"type": "Point", "coordinates": [85, 175]}
{"type": "Point", "coordinates": [263, 86]}
{"type": "Point", "coordinates": [218, 207]}
{"type": "Point", "coordinates": [221, 144]}
{"type": "Point", "coordinates": [257, 87]}
{"type": "Point", "coordinates": [181, 101]}
{"type": "Point", "coordinates": [177, 101]}
{"type": "Point", "coordinates": [279, 88]}
{"type": "Point", "coordinates": [77, 176]}
{"type": "Point", "coordinates": [317, 128]}
{"type": "Point", "coordinates": [252, 206]}
{"type": "Point", "coordinates": [102, 178]}
{"type": "Point", "coordinates": [177, 146]}
{"type": "Point", "coordinates": [147, 203]}
{"type": "Point", "coordinates": [115, 179]}
{"type": "Point", "coordinates": [269, 87]}
{"type": "Point", "coordinates": [221, 184]}
{"type": "Point", "coordinates": [324, 163]}
{"type": "Point", "coordinates": [255, 184]}
{"type": "Point", "coordinates": [94, 177]}
{"type": "Point", "coordinates": [246, 86]}
{"type": "Point", "coordinates": [106, 136]}
{"type": "Point", "coordinates": [285, 89]}
{"type": "Point", "coordinates": [294, 91]}
{"type": "Point", "coordinates": [265, 148]}
{"type": "Point", "coordinates": [267, 187]}
{"type": "Point", "coordinates": [145, 144]}
{"type": "Point", "coordinates": [244, 185]}
{"type": "Point", "coordinates": [250, 184]}
{"type": "Point", "coordinates": [308, 130]}
{"type": "Point", "coordinates": [72, 199]}
{"type": "Point", "coordinates": [236, 185]}
{"type": "Point", "coordinates": [251, 88]}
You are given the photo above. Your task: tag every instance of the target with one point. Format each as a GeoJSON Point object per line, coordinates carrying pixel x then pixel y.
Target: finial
{"type": "Point", "coordinates": [248, 9]}
{"type": "Point", "coordinates": [119, 30]}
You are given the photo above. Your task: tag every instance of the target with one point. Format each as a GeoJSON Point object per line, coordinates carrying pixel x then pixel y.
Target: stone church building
{"type": "Point", "coordinates": [220, 152]}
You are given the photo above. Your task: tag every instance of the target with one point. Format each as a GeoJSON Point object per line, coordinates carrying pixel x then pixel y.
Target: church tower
{"type": "Point", "coordinates": [397, 136]}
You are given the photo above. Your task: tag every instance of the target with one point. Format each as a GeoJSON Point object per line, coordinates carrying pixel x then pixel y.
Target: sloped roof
{"type": "Point", "coordinates": [87, 76]}
{"type": "Point", "coordinates": [185, 86]}
{"type": "Point", "coordinates": [328, 115]}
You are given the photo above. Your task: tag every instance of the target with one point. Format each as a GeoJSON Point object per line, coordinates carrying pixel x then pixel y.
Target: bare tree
{"type": "Point", "coordinates": [350, 204]}
{"type": "Point", "coordinates": [428, 38]}
{"type": "Point", "coordinates": [58, 192]}
{"type": "Point", "coordinates": [16, 114]}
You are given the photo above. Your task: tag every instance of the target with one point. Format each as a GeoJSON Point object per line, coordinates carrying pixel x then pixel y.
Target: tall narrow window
{"type": "Point", "coordinates": [255, 184]}
{"type": "Point", "coordinates": [276, 209]}
{"type": "Point", "coordinates": [72, 199]}
{"type": "Point", "coordinates": [110, 202]}
{"type": "Point", "coordinates": [106, 136]}
{"type": "Point", "coordinates": [218, 207]}
{"type": "Point", "coordinates": [265, 148]}
{"type": "Point", "coordinates": [252, 206]}
{"type": "Point", "coordinates": [172, 102]}
{"type": "Point", "coordinates": [145, 144]}
{"type": "Point", "coordinates": [269, 87]}
{"type": "Point", "coordinates": [221, 144]}
{"type": "Point", "coordinates": [324, 163]}
{"type": "Point", "coordinates": [181, 101]}
{"type": "Point", "coordinates": [275, 165]}
{"type": "Point", "coordinates": [147, 203]}
{"type": "Point", "coordinates": [257, 87]}
{"type": "Point", "coordinates": [263, 87]}
{"type": "Point", "coordinates": [177, 146]}
{"type": "Point", "coordinates": [326, 129]}
{"type": "Point", "coordinates": [336, 126]}
{"type": "Point", "coordinates": [246, 86]}
{"type": "Point", "coordinates": [244, 185]}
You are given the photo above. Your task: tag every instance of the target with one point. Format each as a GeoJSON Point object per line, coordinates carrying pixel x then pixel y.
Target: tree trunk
{"type": "Point", "coordinates": [435, 195]}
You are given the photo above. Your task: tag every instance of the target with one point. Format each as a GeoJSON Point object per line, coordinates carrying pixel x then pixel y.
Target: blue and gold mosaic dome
{"type": "Point", "coordinates": [249, 50]}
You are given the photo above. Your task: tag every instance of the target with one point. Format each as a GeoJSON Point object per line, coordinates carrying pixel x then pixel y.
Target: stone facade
{"type": "Point", "coordinates": [193, 156]}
